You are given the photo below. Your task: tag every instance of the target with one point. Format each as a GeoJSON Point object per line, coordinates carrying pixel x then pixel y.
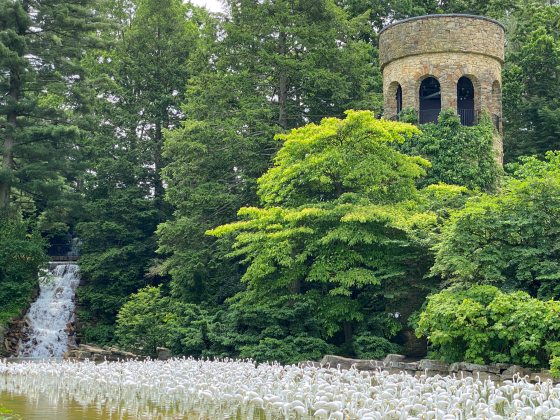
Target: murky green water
{"type": "Point", "coordinates": [43, 408]}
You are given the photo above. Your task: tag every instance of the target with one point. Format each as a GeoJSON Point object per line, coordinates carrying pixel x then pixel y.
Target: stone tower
{"type": "Point", "coordinates": [436, 62]}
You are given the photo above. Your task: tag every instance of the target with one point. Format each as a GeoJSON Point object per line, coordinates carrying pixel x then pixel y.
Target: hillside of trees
{"type": "Point", "coordinates": [236, 192]}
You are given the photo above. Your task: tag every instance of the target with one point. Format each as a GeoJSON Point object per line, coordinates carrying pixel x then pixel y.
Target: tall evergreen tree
{"type": "Point", "coordinates": [275, 65]}
{"type": "Point", "coordinates": [139, 86]}
{"type": "Point", "coordinates": [41, 44]}
{"type": "Point", "coordinates": [531, 88]}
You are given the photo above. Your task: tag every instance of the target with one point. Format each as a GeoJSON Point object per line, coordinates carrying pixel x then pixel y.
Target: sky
{"type": "Point", "coordinates": [212, 5]}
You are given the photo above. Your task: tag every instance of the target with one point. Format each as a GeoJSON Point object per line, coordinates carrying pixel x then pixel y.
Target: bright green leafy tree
{"type": "Point", "coordinates": [335, 222]}
{"type": "Point", "coordinates": [509, 239]}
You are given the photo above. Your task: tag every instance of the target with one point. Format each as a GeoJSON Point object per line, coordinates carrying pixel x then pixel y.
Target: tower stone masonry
{"type": "Point", "coordinates": [435, 62]}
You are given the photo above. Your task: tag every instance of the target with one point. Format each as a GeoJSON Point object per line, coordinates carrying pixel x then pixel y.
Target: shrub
{"type": "Point", "coordinates": [509, 240]}
{"type": "Point", "coordinates": [459, 155]}
{"type": "Point", "coordinates": [287, 350]}
{"type": "Point", "coordinates": [148, 321]}
{"type": "Point", "coordinates": [373, 347]}
{"type": "Point", "coordinates": [485, 325]}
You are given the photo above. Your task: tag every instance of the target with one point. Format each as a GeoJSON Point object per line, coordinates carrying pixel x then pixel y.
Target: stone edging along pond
{"type": "Point", "coordinates": [395, 363]}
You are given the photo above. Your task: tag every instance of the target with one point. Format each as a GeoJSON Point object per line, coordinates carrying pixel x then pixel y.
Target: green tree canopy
{"type": "Point", "coordinates": [41, 44]}
{"type": "Point", "coordinates": [531, 88]}
{"type": "Point", "coordinates": [509, 239]}
{"type": "Point", "coordinates": [336, 219]}
{"type": "Point", "coordinates": [459, 155]}
{"type": "Point", "coordinates": [138, 89]}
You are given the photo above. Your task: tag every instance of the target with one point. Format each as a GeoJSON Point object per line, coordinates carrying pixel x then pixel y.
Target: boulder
{"type": "Point", "coordinates": [402, 366]}
{"type": "Point", "coordinates": [346, 363]}
{"type": "Point", "coordinates": [472, 367]}
{"type": "Point", "coordinates": [98, 354]}
{"type": "Point", "coordinates": [514, 370]}
{"type": "Point", "coordinates": [394, 358]}
{"type": "Point", "coordinates": [498, 367]}
{"type": "Point", "coordinates": [433, 365]}
{"type": "Point", "coordinates": [163, 353]}
{"type": "Point", "coordinates": [92, 349]}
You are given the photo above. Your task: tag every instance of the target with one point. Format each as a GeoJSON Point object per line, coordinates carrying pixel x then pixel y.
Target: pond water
{"type": "Point", "coordinates": [44, 408]}
{"type": "Point", "coordinates": [227, 389]}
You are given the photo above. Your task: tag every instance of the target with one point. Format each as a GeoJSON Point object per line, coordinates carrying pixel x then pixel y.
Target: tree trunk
{"type": "Point", "coordinates": [296, 287]}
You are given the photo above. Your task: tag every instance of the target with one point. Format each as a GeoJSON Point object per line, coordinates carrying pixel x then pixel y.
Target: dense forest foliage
{"type": "Point", "coordinates": [236, 193]}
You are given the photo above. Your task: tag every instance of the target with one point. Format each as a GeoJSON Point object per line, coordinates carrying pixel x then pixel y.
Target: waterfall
{"type": "Point", "coordinates": [49, 316]}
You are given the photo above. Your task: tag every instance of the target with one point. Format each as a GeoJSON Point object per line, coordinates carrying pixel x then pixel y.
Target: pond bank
{"type": "Point", "coordinates": [395, 363]}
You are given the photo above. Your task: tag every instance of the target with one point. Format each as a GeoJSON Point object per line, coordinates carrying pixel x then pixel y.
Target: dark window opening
{"type": "Point", "coordinates": [465, 101]}
{"type": "Point", "coordinates": [430, 101]}
{"type": "Point", "coordinates": [398, 97]}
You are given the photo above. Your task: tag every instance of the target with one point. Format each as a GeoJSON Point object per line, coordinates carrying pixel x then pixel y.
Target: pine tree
{"type": "Point", "coordinates": [41, 43]}
{"type": "Point", "coordinates": [139, 87]}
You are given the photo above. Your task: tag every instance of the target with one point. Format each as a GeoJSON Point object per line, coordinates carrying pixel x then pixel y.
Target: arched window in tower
{"type": "Point", "coordinates": [465, 101]}
{"type": "Point", "coordinates": [430, 100]}
{"type": "Point", "coordinates": [398, 97]}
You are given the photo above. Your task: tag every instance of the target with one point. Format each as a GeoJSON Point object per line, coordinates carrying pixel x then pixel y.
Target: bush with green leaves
{"type": "Point", "coordinates": [459, 154]}
{"type": "Point", "coordinates": [149, 320]}
{"type": "Point", "coordinates": [281, 328]}
{"type": "Point", "coordinates": [510, 239]}
{"type": "Point", "coordinates": [287, 350]}
{"type": "Point", "coordinates": [485, 325]}
{"type": "Point", "coordinates": [367, 346]}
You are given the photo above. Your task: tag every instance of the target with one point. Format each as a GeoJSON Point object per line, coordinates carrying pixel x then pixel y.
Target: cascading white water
{"type": "Point", "coordinates": [50, 314]}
